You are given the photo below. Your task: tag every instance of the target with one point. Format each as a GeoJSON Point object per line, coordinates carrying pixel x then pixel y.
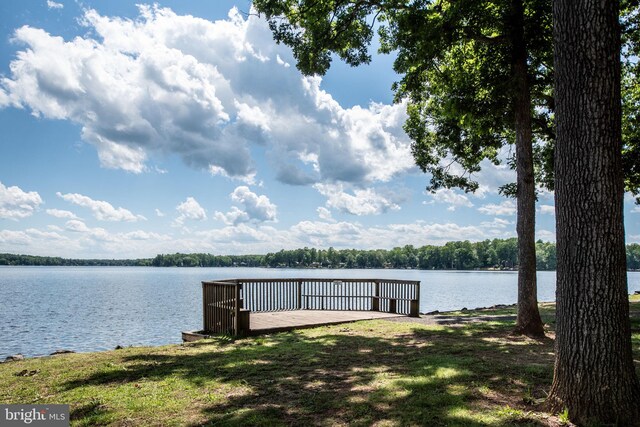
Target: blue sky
{"type": "Point", "coordinates": [130, 130]}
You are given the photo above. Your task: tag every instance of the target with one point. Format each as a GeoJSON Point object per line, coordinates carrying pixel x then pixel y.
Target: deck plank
{"type": "Point", "coordinates": [279, 321]}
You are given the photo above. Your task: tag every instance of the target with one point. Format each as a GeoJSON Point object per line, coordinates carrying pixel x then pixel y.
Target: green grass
{"type": "Point", "coordinates": [366, 373]}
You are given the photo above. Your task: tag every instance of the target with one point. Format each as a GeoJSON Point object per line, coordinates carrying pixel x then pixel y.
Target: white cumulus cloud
{"type": "Point", "coordinates": [17, 204]}
{"type": "Point", "coordinates": [54, 5]}
{"type": "Point", "coordinates": [76, 226]}
{"type": "Point", "coordinates": [11, 237]}
{"type": "Point", "coordinates": [324, 213]}
{"type": "Point", "coordinates": [97, 234]}
{"type": "Point", "coordinates": [451, 198]}
{"type": "Point", "coordinates": [80, 240]}
{"type": "Point", "coordinates": [506, 208]}
{"type": "Point", "coordinates": [361, 202]}
{"type": "Point", "coordinates": [497, 223]}
{"type": "Point", "coordinates": [547, 209]}
{"type": "Point", "coordinates": [142, 235]}
{"type": "Point", "coordinates": [59, 213]}
{"type": "Point", "coordinates": [234, 216]}
{"type": "Point", "coordinates": [170, 84]}
{"type": "Point", "coordinates": [546, 235]}
{"type": "Point", "coordinates": [190, 209]}
{"type": "Point", "coordinates": [103, 211]}
{"type": "Point", "coordinates": [44, 235]}
{"type": "Point", "coordinates": [255, 208]}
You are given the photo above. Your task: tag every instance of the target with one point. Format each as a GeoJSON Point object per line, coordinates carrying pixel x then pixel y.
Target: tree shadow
{"type": "Point", "coordinates": [342, 376]}
{"type": "Point", "coordinates": [91, 413]}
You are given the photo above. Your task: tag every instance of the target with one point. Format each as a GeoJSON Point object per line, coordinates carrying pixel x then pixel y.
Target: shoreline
{"type": "Point", "coordinates": [357, 373]}
{"type": "Point", "coordinates": [429, 318]}
{"type": "Point", "coordinates": [492, 270]}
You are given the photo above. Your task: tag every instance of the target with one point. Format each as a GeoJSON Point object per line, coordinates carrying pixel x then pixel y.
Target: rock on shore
{"type": "Point", "coordinates": [14, 358]}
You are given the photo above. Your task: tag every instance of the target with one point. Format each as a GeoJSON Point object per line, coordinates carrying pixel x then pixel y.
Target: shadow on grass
{"type": "Point", "coordinates": [345, 376]}
{"type": "Point", "coordinates": [91, 413]}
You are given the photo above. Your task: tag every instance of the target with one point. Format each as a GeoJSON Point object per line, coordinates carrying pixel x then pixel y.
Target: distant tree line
{"type": "Point", "coordinates": [207, 260]}
{"type": "Point", "coordinates": [463, 255]}
{"type": "Point", "coordinates": [169, 260]}
{"type": "Point", "coordinates": [11, 259]}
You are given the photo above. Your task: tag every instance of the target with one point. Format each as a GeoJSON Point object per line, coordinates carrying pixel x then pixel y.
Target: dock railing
{"type": "Point", "coordinates": [227, 303]}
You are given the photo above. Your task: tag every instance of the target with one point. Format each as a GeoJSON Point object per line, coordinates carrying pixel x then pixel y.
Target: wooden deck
{"type": "Point", "coordinates": [279, 321]}
{"type": "Point", "coordinates": [259, 306]}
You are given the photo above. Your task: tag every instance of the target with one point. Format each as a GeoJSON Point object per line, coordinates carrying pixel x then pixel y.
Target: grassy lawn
{"type": "Point", "coordinates": [367, 373]}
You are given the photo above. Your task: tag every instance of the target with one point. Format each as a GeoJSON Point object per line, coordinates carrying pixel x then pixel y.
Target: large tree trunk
{"type": "Point", "coordinates": [528, 321]}
{"type": "Point", "coordinates": [594, 374]}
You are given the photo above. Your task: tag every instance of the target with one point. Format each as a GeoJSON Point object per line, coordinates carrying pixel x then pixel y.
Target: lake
{"type": "Point", "coordinates": [43, 309]}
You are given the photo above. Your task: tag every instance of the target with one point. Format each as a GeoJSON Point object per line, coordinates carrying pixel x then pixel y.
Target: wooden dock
{"type": "Point", "coordinates": [279, 321]}
{"type": "Point", "coordinates": [258, 306]}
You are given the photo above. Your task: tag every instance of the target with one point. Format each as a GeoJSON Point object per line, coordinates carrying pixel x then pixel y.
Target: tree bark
{"type": "Point", "coordinates": [594, 375]}
{"type": "Point", "coordinates": [528, 321]}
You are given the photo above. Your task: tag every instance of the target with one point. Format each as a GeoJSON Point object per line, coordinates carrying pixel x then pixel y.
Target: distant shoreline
{"type": "Point", "coordinates": [496, 270]}
{"type": "Point", "coordinates": [487, 255]}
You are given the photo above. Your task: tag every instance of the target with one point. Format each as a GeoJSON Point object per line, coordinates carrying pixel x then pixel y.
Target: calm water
{"type": "Point", "coordinates": [96, 308]}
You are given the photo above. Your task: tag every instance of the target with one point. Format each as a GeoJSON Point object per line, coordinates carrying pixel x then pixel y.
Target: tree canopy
{"type": "Point", "coordinates": [455, 59]}
{"type": "Point", "coordinates": [475, 77]}
{"type": "Point", "coordinates": [457, 62]}
{"type": "Point", "coordinates": [631, 96]}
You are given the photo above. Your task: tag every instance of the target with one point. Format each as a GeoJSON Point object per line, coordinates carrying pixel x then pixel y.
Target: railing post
{"type": "Point", "coordinates": [299, 291]}
{"type": "Point", "coordinates": [236, 309]}
{"type": "Point", "coordinates": [393, 306]}
{"type": "Point", "coordinates": [243, 325]}
{"type": "Point", "coordinates": [375, 301]}
{"type": "Point", "coordinates": [241, 316]}
{"type": "Point", "coordinates": [414, 308]}
{"type": "Point", "coordinates": [204, 307]}
{"type": "Point", "coordinates": [415, 304]}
